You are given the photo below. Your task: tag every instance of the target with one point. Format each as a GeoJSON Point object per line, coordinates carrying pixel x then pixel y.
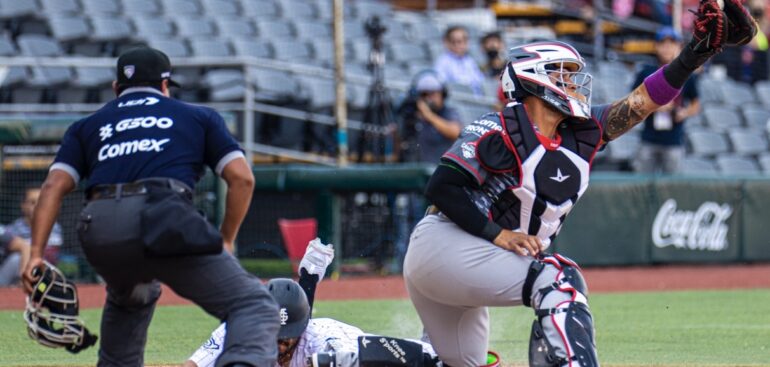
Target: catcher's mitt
{"type": "Point", "coordinates": [741, 26]}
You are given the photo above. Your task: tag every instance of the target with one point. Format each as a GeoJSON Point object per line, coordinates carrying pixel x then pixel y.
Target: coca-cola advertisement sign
{"type": "Point", "coordinates": [703, 229]}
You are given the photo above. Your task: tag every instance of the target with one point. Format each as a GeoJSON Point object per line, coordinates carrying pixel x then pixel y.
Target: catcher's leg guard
{"type": "Point", "coordinates": [563, 334]}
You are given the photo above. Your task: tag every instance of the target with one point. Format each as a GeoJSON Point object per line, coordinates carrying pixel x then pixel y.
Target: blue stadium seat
{"type": "Point", "coordinates": [470, 112]}
{"type": "Point", "coordinates": [748, 141]}
{"type": "Point", "coordinates": [705, 143]}
{"type": "Point", "coordinates": [149, 28]}
{"type": "Point", "coordinates": [221, 8]}
{"type": "Point", "coordinates": [99, 7]}
{"type": "Point", "coordinates": [407, 53]}
{"type": "Point", "coordinates": [137, 9]}
{"type": "Point", "coordinates": [253, 47]}
{"type": "Point", "coordinates": [364, 9]}
{"type": "Point", "coordinates": [624, 148]}
{"type": "Point", "coordinates": [194, 27]}
{"type": "Point", "coordinates": [13, 75]}
{"type": "Point", "coordinates": [764, 162]}
{"type": "Point", "coordinates": [736, 165]}
{"type": "Point", "coordinates": [299, 9]}
{"type": "Point", "coordinates": [261, 9]}
{"type": "Point", "coordinates": [273, 86]}
{"type": "Point", "coordinates": [319, 91]}
{"type": "Point", "coordinates": [272, 29]}
{"type": "Point", "coordinates": [61, 6]}
{"type": "Point", "coordinates": [181, 8]}
{"type": "Point", "coordinates": [15, 9]}
{"type": "Point", "coordinates": [171, 47]}
{"type": "Point", "coordinates": [721, 118]}
{"type": "Point", "coordinates": [93, 76]}
{"type": "Point", "coordinates": [210, 47]}
{"type": "Point", "coordinates": [696, 166]}
{"type": "Point", "coordinates": [323, 52]}
{"type": "Point", "coordinates": [69, 27]}
{"type": "Point", "coordinates": [224, 85]}
{"type": "Point", "coordinates": [755, 116]}
{"type": "Point", "coordinates": [235, 28]}
{"type": "Point", "coordinates": [7, 48]}
{"type": "Point", "coordinates": [292, 50]}
{"type": "Point", "coordinates": [312, 30]}
{"type": "Point", "coordinates": [710, 91]}
{"type": "Point", "coordinates": [38, 45]}
{"type": "Point", "coordinates": [111, 29]}
{"type": "Point", "coordinates": [425, 31]}
{"type": "Point", "coordinates": [762, 88]}
{"type": "Point", "coordinates": [739, 94]}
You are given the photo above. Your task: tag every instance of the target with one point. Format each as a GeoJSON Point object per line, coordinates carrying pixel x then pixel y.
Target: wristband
{"type": "Point", "coordinates": [659, 89]}
{"type": "Point", "coordinates": [490, 231]}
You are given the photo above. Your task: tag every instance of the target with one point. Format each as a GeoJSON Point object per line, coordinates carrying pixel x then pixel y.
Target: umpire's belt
{"type": "Point", "coordinates": [139, 187]}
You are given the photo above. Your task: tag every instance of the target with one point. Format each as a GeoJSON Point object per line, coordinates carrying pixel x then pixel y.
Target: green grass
{"type": "Point", "coordinates": [703, 328]}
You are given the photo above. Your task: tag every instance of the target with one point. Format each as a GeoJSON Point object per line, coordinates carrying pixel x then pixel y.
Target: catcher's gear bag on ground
{"type": "Point", "coordinates": [52, 313]}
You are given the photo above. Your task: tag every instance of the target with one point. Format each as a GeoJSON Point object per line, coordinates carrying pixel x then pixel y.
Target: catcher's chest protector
{"type": "Point", "coordinates": [541, 181]}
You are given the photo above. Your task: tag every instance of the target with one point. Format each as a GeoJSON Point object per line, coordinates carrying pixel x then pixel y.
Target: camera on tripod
{"type": "Point", "coordinates": [374, 28]}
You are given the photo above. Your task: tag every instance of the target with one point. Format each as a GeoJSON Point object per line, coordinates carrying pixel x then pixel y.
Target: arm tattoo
{"type": "Point", "coordinates": [626, 113]}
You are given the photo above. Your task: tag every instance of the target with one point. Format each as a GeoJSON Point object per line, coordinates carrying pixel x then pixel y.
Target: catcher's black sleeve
{"type": "Point", "coordinates": [445, 191]}
{"type": "Point", "coordinates": [308, 282]}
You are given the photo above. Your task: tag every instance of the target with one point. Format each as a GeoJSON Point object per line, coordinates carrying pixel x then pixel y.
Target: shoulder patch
{"type": "Point", "coordinates": [494, 155]}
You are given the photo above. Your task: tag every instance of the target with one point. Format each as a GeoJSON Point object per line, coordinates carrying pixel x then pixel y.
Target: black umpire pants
{"type": "Point", "coordinates": [217, 283]}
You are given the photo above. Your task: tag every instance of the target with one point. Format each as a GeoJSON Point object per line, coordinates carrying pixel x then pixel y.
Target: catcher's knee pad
{"type": "Point", "coordinates": [563, 334]}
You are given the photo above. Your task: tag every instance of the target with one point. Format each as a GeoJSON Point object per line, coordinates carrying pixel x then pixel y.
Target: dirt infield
{"type": "Point", "coordinates": [600, 280]}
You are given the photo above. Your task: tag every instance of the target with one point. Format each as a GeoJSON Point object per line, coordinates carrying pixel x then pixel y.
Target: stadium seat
{"type": "Point", "coordinates": [470, 112]}
{"type": "Point", "coordinates": [274, 29]}
{"type": "Point", "coordinates": [764, 162]}
{"type": "Point", "coordinates": [755, 116]}
{"type": "Point", "coordinates": [99, 7]}
{"type": "Point", "coordinates": [28, 95]}
{"type": "Point", "coordinates": [181, 8]}
{"type": "Point", "coordinates": [72, 95]}
{"type": "Point", "coordinates": [224, 85]}
{"type": "Point", "coordinates": [706, 143]}
{"type": "Point", "coordinates": [710, 91]}
{"type": "Point", "coordinates": [254, 48]}
{"type": "Point", "coordinates": [426, 30]}
{"type": "Point", "coordinates": [395, 31]}
{"type": "Point", "coordinates": [292, 50]}
{"type": "Point", "coordinates": [736, 165]}
{"type": "Point", "coordinates": [354, 29]}
{"type": "Point", "coordinates": [407, 53]}
{"type": "Point", "coordinates": [456, 89]}
{"type": "Point", "coordinates": [111, 29]}
{"type": "Point", "coordinates": [311, 30]}
{"type": "Point", "coordinates": [220, 8]}
{"type": "Point", "coordinates": [415, 68]}
{"type": "Point", "coordinates": [141, 8]}
{"type": "Point", "coordinates": [15, 9]}
{"type": "Point", "coordinates": [49, 76]}
{"type": "Point", "coordinates": [435, 49]}
{"type": "Point", "coordinates": [739, 94]}
{"type": "Point", "coordinates": [37, 45]}
{"type": "Point", "coordinates": [69, 28]}
{"type": "Point", "coordinates": [273, 86]}
{"type": "Point", "coordinates": [748, 141]}
{"type": "Point", "coordinates": [194, 27]}
{"type": "Point", "coordinates": [7, 48]}
{"type": "Point", "coordinates": [171, 47]}
{"type": "Point", "coordinates": [13, 75]}
{"type": "Point", "coordinates": [762, 88]}
{"type": "Point", "coordinates": [235, 28]}
{"type": "Point", "coordinates": [60, 6]}
{"type": "Point", "coordinates": [93, 76]}
{"type": "Point", "coordinates": [323, 52]}
{"type": "Point", "coordinates": [395, 72]}
{"type": "Point", "coordinates": [624, 148]}
{"type": "Point", "coordinates": [261, 9]}
{"type": "Point", "coordinates": [359, 50]}
{"type": "Point", "coordinates": [696, 166]}
{"type": "Point", "coordinates": [210, 47]}
{"type": "Point", "coordinates": [299, 9]}
{"type": "Point", "coordinates": [149, 28]}
{"type": "Point", "coordinates": [365, 9]}
{"type": "Point", "coordinates": [719, 118]}
{"type": "Point", "coordinates": [319, 91]}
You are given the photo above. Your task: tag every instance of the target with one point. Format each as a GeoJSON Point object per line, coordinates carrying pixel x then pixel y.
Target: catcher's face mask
{"type": "Point", "coordinates": [52, 313]}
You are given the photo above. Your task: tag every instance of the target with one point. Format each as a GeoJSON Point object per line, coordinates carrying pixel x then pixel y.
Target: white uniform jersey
{"type": "Point", "coordinates": [321, 335]}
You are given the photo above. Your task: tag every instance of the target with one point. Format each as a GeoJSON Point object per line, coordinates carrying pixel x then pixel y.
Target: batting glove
{"type": "Point", "coordinates": [317, 258]}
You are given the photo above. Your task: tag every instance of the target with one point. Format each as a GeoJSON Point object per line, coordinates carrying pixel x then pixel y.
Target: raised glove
{"type": "Point", "coordinates": [741, 26]}
{"type": "Point", "coordinates": [317, 257]}
{"type": "Point", "coordinates": [709, 33]}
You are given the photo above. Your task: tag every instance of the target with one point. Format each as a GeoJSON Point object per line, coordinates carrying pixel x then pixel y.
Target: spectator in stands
{"type": "Point", "coordinates": [456, 65]}
{"type": "Point", "coordinates": [14, 254]}
{"type": "Point", "coordinates": [21, 226]}
{"type": "Point", "coordinates": [662, 146]}
{"type": "Point", "coordinates": [429, 125]}
{"type": "Point", "coordinates": [493, 47]}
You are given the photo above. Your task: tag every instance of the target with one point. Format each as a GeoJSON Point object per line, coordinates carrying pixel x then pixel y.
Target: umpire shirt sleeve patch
{"type": "Point", "coordinates": [66, 168]}
{"type": "Point", "coordinates": [229, 157]}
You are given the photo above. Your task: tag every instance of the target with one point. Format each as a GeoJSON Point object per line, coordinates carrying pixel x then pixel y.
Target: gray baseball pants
{"type": "Point", "coordinates": [453, 276]}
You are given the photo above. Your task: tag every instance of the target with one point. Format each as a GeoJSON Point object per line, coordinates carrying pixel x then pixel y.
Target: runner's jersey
{"type": "Point", "coordinates": [527, 182]}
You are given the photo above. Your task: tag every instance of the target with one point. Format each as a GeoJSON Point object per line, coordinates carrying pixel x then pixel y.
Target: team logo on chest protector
{"type": "Point", "coordinates": [557, 178]}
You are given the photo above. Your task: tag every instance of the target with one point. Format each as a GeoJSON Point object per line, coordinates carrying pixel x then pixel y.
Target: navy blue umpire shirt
{"type": "Point", "coordinates": [144, 134]}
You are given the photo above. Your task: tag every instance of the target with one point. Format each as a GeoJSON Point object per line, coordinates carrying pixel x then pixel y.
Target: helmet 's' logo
{"type": "Point", "coordinates": [284, 316]}
{"type": "Point", "coordinates": [128, 71]}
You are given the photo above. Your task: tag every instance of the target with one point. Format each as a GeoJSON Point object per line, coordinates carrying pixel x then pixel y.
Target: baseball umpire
{"type": "Point", "coordinates": [504, 188]}
{"type": "Point", "coordinates": [142, 154]}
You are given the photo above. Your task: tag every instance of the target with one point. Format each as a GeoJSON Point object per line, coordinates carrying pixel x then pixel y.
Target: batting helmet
{"type": "Point", "coordinates": [295, 309]}
{"type": "Point", "coordinates": [551, 71]}
{"type": "Point", "coordinates": [52, 313]}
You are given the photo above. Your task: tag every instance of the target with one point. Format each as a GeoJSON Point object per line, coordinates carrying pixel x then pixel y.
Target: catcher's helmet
{"type": "Point", "coordinates": [295, 309]}
{"type": "Point", "coordinates": [52, 313]}
{"type": "Point", "coordinates": [551, 71]}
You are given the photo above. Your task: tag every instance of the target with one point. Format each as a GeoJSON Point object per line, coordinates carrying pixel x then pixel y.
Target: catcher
{"type": "Point", "coordinates": [321, 342]}
{"type": "Point", "coordinates": [503, 190]}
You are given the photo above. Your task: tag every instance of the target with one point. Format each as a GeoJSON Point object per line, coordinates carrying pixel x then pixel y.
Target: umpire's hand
{"type": "Point", "coordinates": [31, 273]}
{"type": "Point", "coordinates": [520, 243]}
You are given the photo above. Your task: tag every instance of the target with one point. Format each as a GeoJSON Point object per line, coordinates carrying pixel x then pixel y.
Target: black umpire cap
{"type": "Point", "coordinates": [142, 66]}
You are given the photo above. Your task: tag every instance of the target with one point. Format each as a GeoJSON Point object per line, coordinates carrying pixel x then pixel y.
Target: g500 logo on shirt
{"type": "Point", "coordinates": [130, 147]}
{"type": "Point", "coordinates": [147, 122]}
